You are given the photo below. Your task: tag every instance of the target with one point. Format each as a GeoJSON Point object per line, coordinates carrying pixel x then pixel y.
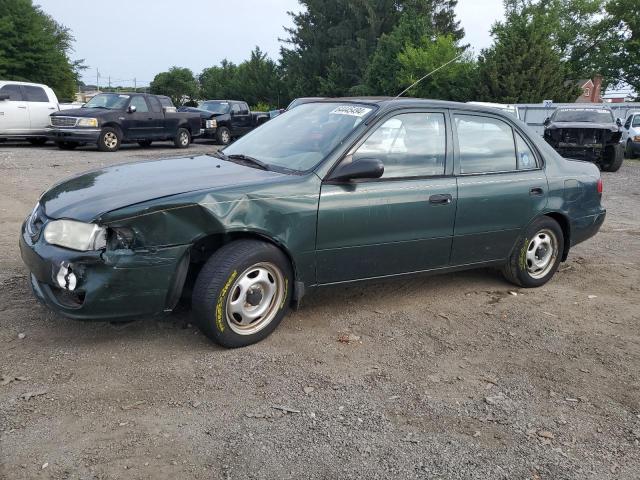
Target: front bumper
{"type": "Point", "coordinates": [208, 132]}
{"type": "Point", "coordinates": [74, 134]}
{"type": "Point", "coordinates": [111, 285]}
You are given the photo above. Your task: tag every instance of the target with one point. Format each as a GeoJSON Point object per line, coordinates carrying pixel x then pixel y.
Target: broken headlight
{"type": "Point", "coordinates": [121, 238]}
{"type": "Point", "coordinates": [75, 235]}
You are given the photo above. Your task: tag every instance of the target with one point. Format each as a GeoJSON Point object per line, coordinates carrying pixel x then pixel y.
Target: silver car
{"type": "Point", "coordinates": [631, 135]}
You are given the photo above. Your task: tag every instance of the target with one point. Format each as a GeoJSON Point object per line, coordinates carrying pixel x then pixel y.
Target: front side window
{"type": "Point", "coordinates": [636, 121]}
{"type": "Point", "coordinates": [409, 145]}
{"type": "Point", "coordinates": [140, 104]}
{"type": "Point", "coordinates": [35, 94]}
{"type": "Point", "coordinates": [485, 144]}
{"type": "Point", "coordinates": [627, 124]}
{"type": "Point", "coordinates": [15, 95]}
{"type": "Point", "coordinates": [244, 109]}
{"type": "Point", "coordinates": [235, 109]}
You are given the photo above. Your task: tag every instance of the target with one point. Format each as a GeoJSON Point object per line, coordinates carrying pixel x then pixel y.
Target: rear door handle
{"type": "Point", "coordinates": [536, 191]}
{"type": "Point", "coordinates": [440, 199]}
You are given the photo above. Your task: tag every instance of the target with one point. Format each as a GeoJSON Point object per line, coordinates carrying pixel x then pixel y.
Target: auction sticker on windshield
{"type": "Point", "coordinates": [351, 110]}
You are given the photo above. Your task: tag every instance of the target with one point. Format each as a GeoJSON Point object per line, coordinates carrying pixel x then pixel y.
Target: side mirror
{"type": "Point", "coordinates": [547, 121]}
{"type": "Point", "coordinates": [360, 168]}
{"type": "Point", "coordinates": [131, 109]}
{"type": "Point", "coordinates": [4, 96]}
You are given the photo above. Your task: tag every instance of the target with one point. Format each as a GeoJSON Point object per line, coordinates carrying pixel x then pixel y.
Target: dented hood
{"type": "Point", "coordinates": [612, 127]}
{"type": "Point", "coordinates": [93, 193]}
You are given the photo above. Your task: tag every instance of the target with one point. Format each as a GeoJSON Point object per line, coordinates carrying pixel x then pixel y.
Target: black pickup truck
{"type": "Point", "coordinates": [110, 119]}
{"type": "Point", "coordinates": [224, 120]}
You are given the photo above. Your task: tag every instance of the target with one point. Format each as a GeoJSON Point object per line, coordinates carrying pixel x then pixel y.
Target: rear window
{"type": "Point", "coordinates": [35, 94]}
{"type": "Point", "coordinates": [588, 115]}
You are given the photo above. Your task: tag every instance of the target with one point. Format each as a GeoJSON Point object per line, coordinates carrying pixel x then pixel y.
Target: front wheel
{"type": "Point", "coordinates": [613, 158]}
{"type": "Point", "coordinates": [223, 136]}
{"type": "Point", "coordinates": [629, 150]}
{"type": "Point", "coordinates": [242, 293]}
{"type": "Point", "coordinates": [537, 254]}
{"type": "Point", "coordinates": [109, 140]}
{"type": "Point", "coordinates": [183, 138]}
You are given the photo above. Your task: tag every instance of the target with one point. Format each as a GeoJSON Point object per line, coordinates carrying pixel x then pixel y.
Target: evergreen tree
{"type": "Point", "coordinates": [35, 48]}
{"type": "Point", "coordinates": [523, 66]}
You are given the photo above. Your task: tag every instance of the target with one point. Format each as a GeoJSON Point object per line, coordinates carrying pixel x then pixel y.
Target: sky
{"type": "Point", "coordinates": [139, 38]}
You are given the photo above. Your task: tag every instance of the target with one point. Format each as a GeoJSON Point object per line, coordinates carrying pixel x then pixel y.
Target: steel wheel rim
{"type": "Point", "coordinates": [255, 298]}
{"type": "Point", "coordinates": [110, 140]}
{"type": "Point", "coordinates": [542, 252]}
{"type": "Point", "coordinates": [184, 138]}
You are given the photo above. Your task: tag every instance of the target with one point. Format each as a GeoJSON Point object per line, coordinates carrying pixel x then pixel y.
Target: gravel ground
{"type": "Point", "coordinates": [454, 376]}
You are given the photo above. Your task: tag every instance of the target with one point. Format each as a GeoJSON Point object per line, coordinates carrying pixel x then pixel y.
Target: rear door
{"type": "Point", "coordinates": [158, 127]}
{"type": "Point", "coordinates": [40, 107]}
{"type": "Point", "coordinates": [401, 222]}
{"type": "Point", "coordinates": [14, 112]}
{"type": "Point", "coordinates": [501, 187]}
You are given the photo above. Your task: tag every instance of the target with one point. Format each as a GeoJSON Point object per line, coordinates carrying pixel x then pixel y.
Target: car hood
{"type": "Point", "coordinates": [82, 112]}
{"type": "Point", "coordinates": [91, 194]}
{"type": "Point", "coordinates": [612, 127]}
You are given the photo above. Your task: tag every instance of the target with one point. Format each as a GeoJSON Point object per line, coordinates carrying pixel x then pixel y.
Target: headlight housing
{"type": "Point", "coordinates": [76, 235]}
{"type": "Point", "coordinates": [211, 123]}
{"type": "Point", "coordinates": [87, 122]}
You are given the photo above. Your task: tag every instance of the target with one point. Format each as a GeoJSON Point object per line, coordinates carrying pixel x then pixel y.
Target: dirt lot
{"type": "Point", "coordinates": [443, 377]}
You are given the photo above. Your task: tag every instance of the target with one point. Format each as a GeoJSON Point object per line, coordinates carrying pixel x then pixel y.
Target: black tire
{"type": "Point", "coordinates": [223, 136]}
{"type": "Point", "coordinates": [629, 150]}
{"type": "Point", "coordinates": [182, 139]}
{"type": "Point", "coordinates": [219, 281]}
{"type": "Point", "coordinates": [66, 145]}
{"type": "Point", "coordinates": [613, 158]}
{"type": "Point", "coordinates": [518, 268]}
{"type": "Point", "coordinates": [109, 140]}
{"type": "Point", "coordinates": [145, 143]}
{"type": "Point", "coordinates": [38, 141]}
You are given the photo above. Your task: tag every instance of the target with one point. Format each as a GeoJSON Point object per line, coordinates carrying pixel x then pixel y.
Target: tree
{"type": "Point", "coordinates": [35, 48]}
{"type": "Point", "coordinates": [332, 41]}
{"type": "Point", "coordinates": [455, 81]}
{"type": "Point", "coordinates": [178, 83]}
{"type": "Point", "coordinates": [623, 55]}
{"type": "Point", "coordinates": [523, 65]}
{"type": "Point", "coordinates": [219, 82]}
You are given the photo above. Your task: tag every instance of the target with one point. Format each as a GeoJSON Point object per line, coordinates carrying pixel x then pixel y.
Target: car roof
{"type": "Point", "coordinates": [585, 106]}
{"type": "Point", "coordinates": [222, 100]}
{"type": "Point", "coordinates": [24, 83]}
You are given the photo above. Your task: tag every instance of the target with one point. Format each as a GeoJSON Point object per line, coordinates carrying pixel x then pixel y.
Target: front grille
{"type": "Point", "coordinates": [64, 121]}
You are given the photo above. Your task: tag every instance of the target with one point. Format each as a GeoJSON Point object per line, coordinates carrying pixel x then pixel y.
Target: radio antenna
{"type": "Point", "coordinates": [427, 75]}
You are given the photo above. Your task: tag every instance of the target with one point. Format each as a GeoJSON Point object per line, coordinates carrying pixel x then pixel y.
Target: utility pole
{"type": "Point", "coordinates": [109, 82]}
{"type": "Point", "coordinates": [135, 85]}
{"type": "Point", "coordinates": [97, 80]}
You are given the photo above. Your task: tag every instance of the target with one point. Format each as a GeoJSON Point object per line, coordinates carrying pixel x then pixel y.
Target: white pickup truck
{"type": "Point", "coordinates": [25, 109]}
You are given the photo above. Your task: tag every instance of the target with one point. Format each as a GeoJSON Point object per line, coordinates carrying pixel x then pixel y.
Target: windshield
{"type": "Point", "coordinates": [112, 101]}
{"type": "Point", "coordinates": [301, 138]}
{"type": "Point", "coordinates": [214, 107]}
{"type": "Point", "coordinates": [591, 115]}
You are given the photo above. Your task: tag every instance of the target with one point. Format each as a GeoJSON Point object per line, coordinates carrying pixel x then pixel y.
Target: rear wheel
{"type": "Point", "coordinates": [223, 136]}
{"type": "Point", "coordinates": [183, 138]}
{"type": "Point", "coordinates": [629, 151]}
{"type": "Point", "coordinates": [537, 254]}
{"type": "Point", "coordinates": [145, 143]}
{"type": "Point", "coordinates": [66, 145]}
{"type": "Point", "coordinates": [242, 293]}
{"type": "Point", "coordinates": [109, 140]}
{"type": "Point", "coordinates": [613, 158]}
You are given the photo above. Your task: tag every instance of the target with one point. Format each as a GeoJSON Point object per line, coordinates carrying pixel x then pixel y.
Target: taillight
{"type": "Point", "coordinates": [600, 186]}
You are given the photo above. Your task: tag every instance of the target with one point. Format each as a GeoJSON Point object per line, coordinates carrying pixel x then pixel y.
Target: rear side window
{"type": "Point", "coordinates": [35, 94]}
{"type": "Point", "coordinates": [409, 145]}
{"type": "Point", "coordinates": [485, 144]}
{"type": "Point", "coordinates": [14, 92]}
{"type": "Point", "coordinates": [636, 121]}
{"type": "Point", "coordinates": [526, 158]}
{"type": "Point", "coordinates": [155, 105]}
{"type": "Point", "coordinates": [165, 101]}
{"type": "Point", "coordinates": [139, 103]}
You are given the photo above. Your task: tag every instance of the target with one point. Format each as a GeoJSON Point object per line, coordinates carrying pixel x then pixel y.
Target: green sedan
{"type": "Point", "coordinates": [330, 192]}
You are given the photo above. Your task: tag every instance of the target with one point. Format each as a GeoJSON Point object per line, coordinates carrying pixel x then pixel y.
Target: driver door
{"type": "Point", "coordinates": [399, 223]}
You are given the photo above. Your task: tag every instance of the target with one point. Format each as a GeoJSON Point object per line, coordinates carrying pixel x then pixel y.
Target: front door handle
{"type": "Point", "coordinates": [440, 199]}
{"type": "Point", "coordinates": [22, 106]}
{"type": "Point", "coordinates": [536, 191]}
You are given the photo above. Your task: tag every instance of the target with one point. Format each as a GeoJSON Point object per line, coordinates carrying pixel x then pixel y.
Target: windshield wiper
{"type": "Point", "coordinates": [248, 159]}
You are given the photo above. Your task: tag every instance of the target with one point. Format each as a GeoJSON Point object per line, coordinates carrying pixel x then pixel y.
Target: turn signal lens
{"type": "Point", "coordinates": [600, 186]}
